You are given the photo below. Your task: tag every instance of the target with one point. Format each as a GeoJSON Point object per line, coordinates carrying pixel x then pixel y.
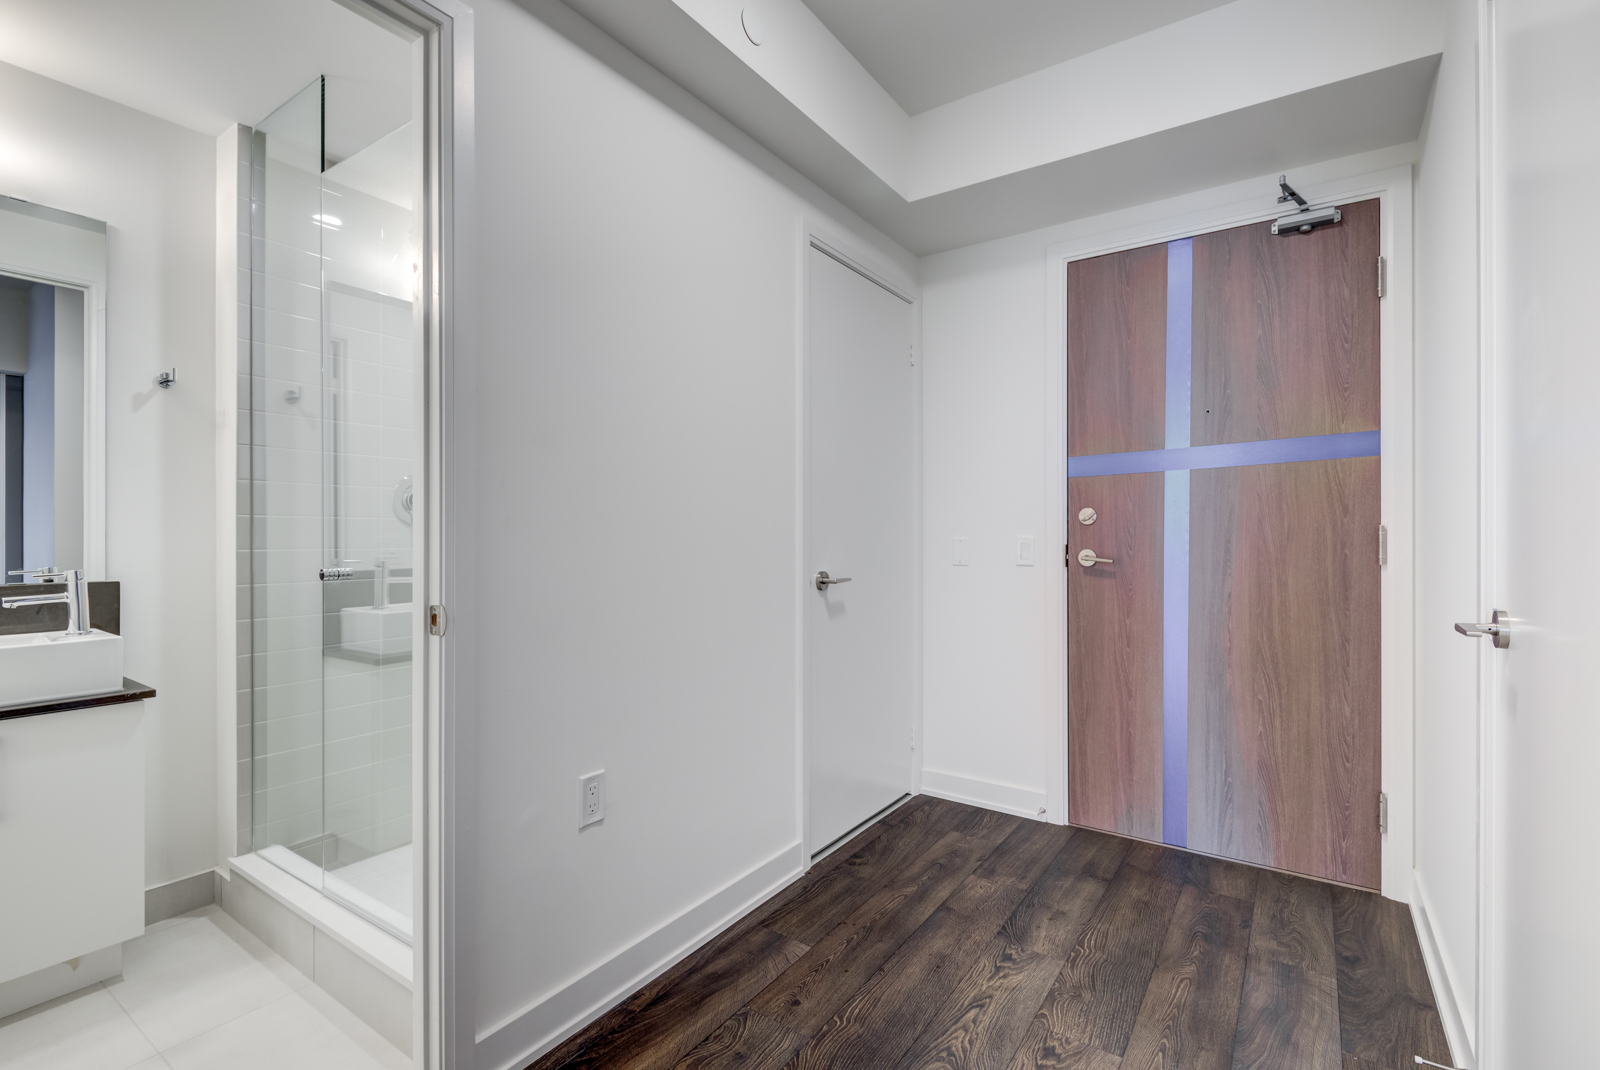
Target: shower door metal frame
{"type": "Point", "coordinates": [1239, 204]}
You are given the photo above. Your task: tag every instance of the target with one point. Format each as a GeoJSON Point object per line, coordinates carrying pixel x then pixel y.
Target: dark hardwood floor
{"type": "Point", "coordinates": [947, 936]}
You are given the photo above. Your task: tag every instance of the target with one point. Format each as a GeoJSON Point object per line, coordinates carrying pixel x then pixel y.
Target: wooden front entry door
{"type": "Point", "coordinates": [1223, 628]}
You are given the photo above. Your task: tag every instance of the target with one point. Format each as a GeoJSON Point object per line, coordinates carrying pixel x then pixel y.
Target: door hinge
{"type": "Point", "coordinates": [1383, 277]}
{"type": "Point", "coordinates": [1383, 546]}
{"type": "Point", "coordinates": [1383, 813]}
{"type": "Point", "coordinates": [437, 621]}
{"type": "Point", "coordinates": [911, 352]}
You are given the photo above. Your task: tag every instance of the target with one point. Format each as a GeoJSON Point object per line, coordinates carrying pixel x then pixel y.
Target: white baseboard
{"type": "Point", "coordinates": [533, 1031]}
{"type": "Point", "coordinates": [1457, 1025]}
{"type": "Point", "coordinates": [1006, 798]}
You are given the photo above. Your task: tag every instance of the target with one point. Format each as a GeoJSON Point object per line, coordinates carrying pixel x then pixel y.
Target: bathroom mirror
{"type": "Point", "coordinates": [52, 417]}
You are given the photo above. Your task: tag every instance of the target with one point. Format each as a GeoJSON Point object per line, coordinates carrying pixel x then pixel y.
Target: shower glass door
{"type": "Point", "coordinates": [333, 351]}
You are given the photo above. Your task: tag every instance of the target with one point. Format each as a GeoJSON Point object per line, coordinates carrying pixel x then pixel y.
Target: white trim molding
{"type": "Point", "coordinates": [550, 1019]}
{"type": "Point", "coordinates": [1006, 798]}
{"type": "Point", "coordinates": [1459, 1024]}
{"type": "Point", "coordinates": [1387, 176]}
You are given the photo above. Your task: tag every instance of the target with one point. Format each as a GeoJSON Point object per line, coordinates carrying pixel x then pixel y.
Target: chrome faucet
{"type": "Point", "coordinates": [76, 596]}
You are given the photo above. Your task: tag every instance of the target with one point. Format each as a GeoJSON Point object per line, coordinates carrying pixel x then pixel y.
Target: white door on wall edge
{"type": "Point", "coordinates": [859, 529]}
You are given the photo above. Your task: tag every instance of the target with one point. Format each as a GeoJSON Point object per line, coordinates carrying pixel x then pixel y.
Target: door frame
{"type": "Point", "coordinates": [444, 698]}
{"type": "Point", "coordinates": [1239, 204]}
{"type": "Point", "coordinates": [878, 270]}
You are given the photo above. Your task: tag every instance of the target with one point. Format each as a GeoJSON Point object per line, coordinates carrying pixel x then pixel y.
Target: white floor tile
{"type": "Point", "coordinates": [182, 980]}
{"type": "Point", "coordinates": [85, 1030]}
{"type": "Point", "coordinates": [306, 1030]}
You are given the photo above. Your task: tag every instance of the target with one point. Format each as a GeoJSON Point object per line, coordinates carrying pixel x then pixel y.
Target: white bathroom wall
{"type": "Point", "coordinates": [986, 666]}
{"type": "Point", "coordinates": [1447, 530]}
{"type": "Point", "coordinates": [634, 575]}
{"type": "Point", "coordinates": [152, 183]}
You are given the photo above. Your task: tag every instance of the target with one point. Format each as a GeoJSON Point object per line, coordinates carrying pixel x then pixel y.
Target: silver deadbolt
{"type": "Point", "coordinates": [1496, 629]}
{"type": "Point", "coordinates": [1088, 559]}
{"type": "Point", "coordinates": [1087, 515]}
{"type": "Point", "coordinates": [824, 581]}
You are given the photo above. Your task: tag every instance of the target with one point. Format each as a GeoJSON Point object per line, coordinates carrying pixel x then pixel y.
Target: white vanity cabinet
{"type": "Point", "coordinates": [71, 841]}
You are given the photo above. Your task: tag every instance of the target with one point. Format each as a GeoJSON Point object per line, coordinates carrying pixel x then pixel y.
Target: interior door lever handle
{"type": "Point", "coordinates": [1496, 630]}
{"type": "Point", "coordinates": [1088, 559]}
{"type": "Point", "coordinates": [824, 580]}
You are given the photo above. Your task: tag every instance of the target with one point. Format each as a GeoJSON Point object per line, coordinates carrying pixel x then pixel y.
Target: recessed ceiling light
{"type": "Point", "coordinates": [753, 29]}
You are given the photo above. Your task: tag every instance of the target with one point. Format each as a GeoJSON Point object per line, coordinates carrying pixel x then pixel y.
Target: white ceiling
{"type": "Point", "coordinates": [204, 64]}
{"type": "Point", "coordinates": [929, 52]}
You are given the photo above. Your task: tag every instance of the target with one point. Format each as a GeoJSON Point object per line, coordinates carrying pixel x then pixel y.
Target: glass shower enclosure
{"type": "Point", "coordinates": [333, 354]}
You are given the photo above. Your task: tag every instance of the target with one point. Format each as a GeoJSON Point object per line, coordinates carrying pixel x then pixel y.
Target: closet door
{"type": "Point", "coordinates": [1224, 677]}
{"type": "Point", "coordinates": [859, 608]}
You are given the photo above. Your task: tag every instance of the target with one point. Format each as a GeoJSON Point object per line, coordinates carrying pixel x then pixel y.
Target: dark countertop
{"type": "Point", "coordinates": [132, 691]}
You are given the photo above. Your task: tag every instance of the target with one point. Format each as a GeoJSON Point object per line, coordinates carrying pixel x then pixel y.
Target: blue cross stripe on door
{"type": "Point", "coordinates": [1177, 460]}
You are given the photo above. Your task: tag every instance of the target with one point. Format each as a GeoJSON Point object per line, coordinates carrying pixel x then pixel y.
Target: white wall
{"type": "Point", "coordinates": [985, 666]}
{"type": "Point", "coordinates": [1447, 522]}
{"type": "Point", "coordinates": [151, 182]}
{"type": "Point", "coordinates": [635, 574]}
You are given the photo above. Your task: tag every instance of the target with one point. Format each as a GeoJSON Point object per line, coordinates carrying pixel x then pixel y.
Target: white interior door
{"type": "Point", "coordinates": [859, 525]}
{"type": "Point", "coordinates": [1543, 793]}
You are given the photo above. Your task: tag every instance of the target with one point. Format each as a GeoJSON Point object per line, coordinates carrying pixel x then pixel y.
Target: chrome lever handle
{"type": "Point", "coordinates": [1496, 630]}
{"type": "Point", "coordinates": [824, 581]}
{"type": "Point", "coordinates": [1088, 559]}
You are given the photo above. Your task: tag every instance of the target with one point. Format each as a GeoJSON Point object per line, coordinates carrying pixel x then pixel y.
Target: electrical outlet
{"type": "Point", "coordinates": [591, 798]}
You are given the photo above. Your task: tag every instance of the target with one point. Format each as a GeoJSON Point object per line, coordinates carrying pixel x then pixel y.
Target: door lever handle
{"type": "Point", "coordinates": [1496, 630]}
{"type": "Point", "coordinates": [824, 580]}
{"type": "Point", "coordinates": [1088, 559]}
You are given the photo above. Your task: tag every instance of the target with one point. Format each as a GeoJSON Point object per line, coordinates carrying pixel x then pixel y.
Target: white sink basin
{"type": "Point", "coordinates": [383, 633]}
{"type": "Point", "coordinates": [45, 666]}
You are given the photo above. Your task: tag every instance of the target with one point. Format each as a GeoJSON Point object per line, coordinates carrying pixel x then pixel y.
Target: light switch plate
{"type": "Point", "coordinates": [958, 550]}
{"type": "Point", "coordinates": [591, 798]}
{"type": "Point", "coordinates": [1025, 550]}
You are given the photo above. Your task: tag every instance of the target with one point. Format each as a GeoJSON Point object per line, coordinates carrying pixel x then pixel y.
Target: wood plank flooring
{"type": "Point", "coordinates": [947, 937]}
